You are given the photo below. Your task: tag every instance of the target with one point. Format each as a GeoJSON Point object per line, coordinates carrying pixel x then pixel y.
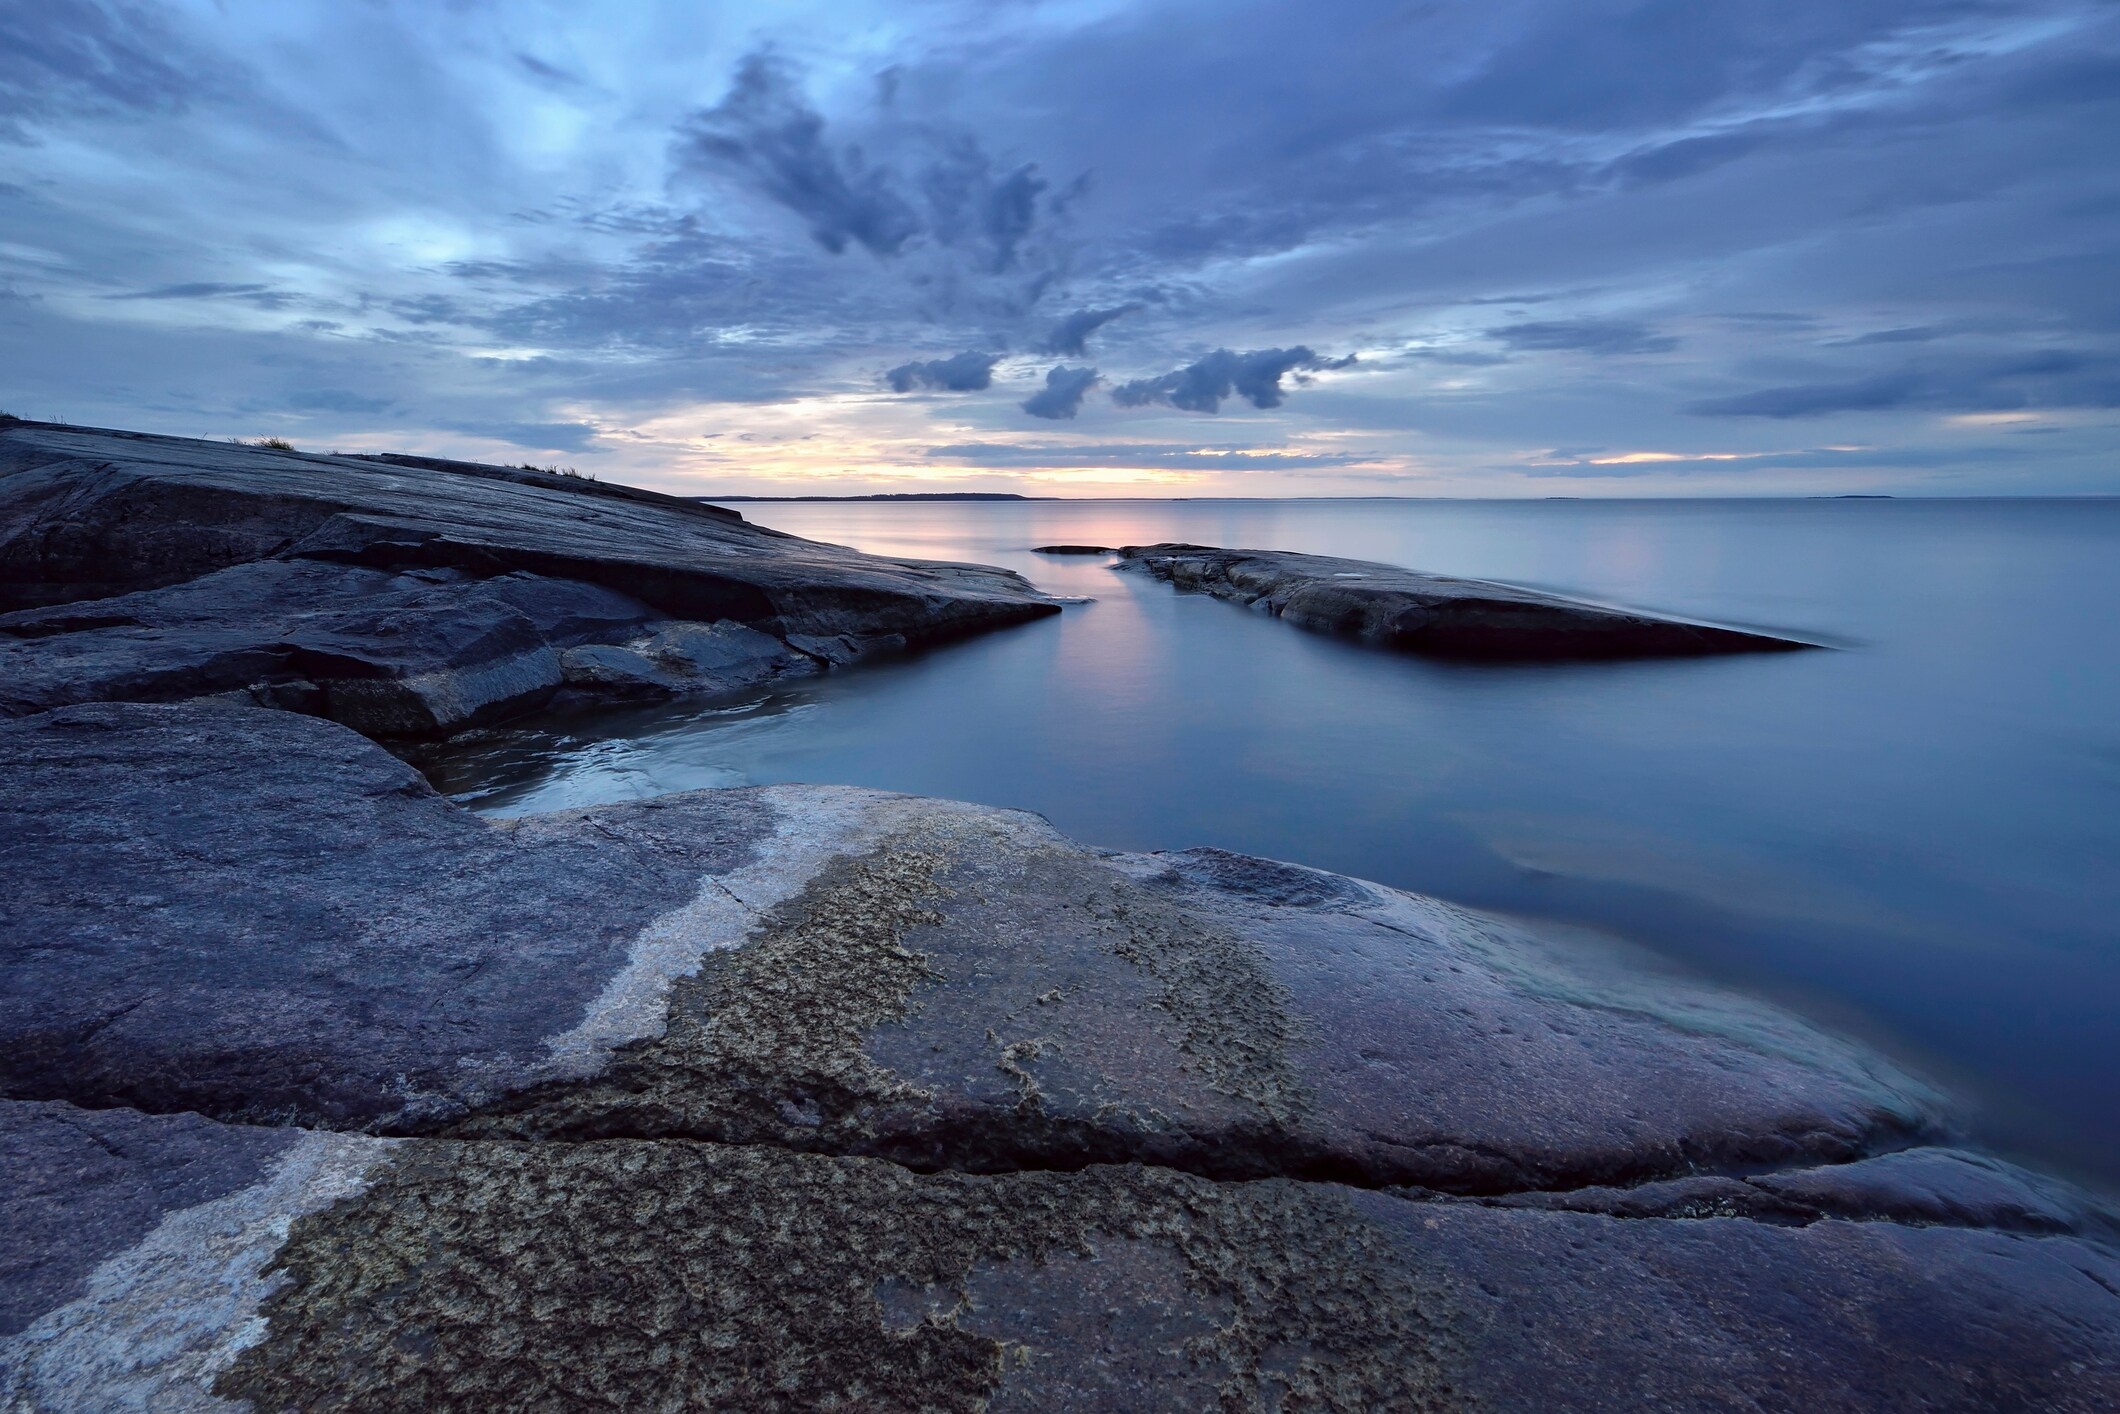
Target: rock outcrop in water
{"type": "Point", "coordinates": [325, 1094]}
{"type": "Point", "coordinates": [1432, 614]}
{"type": "Point", "coordinates": [413, 596]}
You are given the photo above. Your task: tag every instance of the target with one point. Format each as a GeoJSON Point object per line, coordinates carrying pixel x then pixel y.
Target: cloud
{"type": "Point", "coordinates": [1063, 392]}
{"type": "Point", "coordinates": [1889, 390]}
{"type": "Point", "coordinates": [1529, 214]}
{"type": "Point", "coordinates": [1183, 456]}
{"type": "Point", "coordinates": [1920, 335]}
{"type": "Point", "coordinates": [2049, 378]}
{"type": "Point", "coordinates": [1069, 338]}
{"type": "Point", "coordinates": [76, 58]}
{"type": "Point", "coordinates": [938, 183]}
{"type": "Point", "coordinates": [1202, 386]}
{"type": "Point", "coordinates": [1798, 459]}
{"type": "Point", "coordinates": [1597, 336]}
{"type": "Point", "coordinates": [963, 373]}
{"type": "Point", "coordinates": [537, 436]}
{"type": "Point", "coordinates": [337, 400]}
{"type": "Point", "coordinates": [200, 289]}
{"type": "Point", "coordinates": [766, 130]}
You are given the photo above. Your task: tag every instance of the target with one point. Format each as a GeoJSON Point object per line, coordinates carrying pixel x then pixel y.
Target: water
{"type": "Point", "coordinates": [1915, 837]}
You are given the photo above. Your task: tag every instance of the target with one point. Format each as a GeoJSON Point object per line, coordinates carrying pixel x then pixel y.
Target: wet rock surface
{"type": "Point", "coordinates": [321, 1093]}
{"type": "Point", "coordinates": [415, 596]}
{"type": "Point", "coordinates": [1429, 614]}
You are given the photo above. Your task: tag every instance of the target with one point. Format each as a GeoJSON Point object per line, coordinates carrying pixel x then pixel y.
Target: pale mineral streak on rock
{"type": "Point", "coordinates": [811, 827]}
{"type": "Point", "coordinates": [160, 1321]}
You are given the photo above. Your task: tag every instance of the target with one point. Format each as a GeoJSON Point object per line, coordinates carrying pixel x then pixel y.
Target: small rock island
{"type": "Point", "coordinates": [1433, 615]}
{"type": "Point", "coordinates": [319, 1092]}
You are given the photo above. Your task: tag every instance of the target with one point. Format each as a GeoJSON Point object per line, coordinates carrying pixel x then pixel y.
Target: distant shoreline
{"type": "Point", "coordinates": [895, 496]}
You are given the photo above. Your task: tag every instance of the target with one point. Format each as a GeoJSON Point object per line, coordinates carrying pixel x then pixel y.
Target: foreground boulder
{"type": "Point", "coordinates": [1427, 613]}
{"type": "Point", "coordinates": [318, 1092]}
{"type": "Point", "coordinates": [413, 596]}
{"type": "Point", "coordinates": [257, 915]}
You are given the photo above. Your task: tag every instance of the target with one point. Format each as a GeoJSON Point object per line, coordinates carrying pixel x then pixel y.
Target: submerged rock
{"type": "Point", "coordinates": [413, 596]}
{"type": "Point", "coordinates": [1433, 614]}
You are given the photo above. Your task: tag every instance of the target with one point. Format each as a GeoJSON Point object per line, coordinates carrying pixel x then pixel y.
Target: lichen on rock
{"type": "Point", "coordinates": [626, 1275]}
{"type": "Point", "coordinates": [764, 1042]}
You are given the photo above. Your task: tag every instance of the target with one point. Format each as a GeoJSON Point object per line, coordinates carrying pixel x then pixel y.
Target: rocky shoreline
{"type": "Point", "coordinates": [319, 1092]}
{"type": "Point", "coordinates": [409, 596]}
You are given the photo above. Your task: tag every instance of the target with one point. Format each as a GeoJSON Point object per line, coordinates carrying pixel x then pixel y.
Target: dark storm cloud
{"type": "Point", "coordinates": [1202, 386]}
{"type": "Point", "coordinates": [967, 372]}
{"type": "Point", "coordinates": [1598, 336]}
{"type": "Point", "coordinates": [1063, 393]}
{"type": "Point", "coordinates": [1069, 338]}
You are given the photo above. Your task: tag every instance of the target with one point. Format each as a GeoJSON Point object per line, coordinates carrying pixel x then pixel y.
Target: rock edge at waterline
{"type": "Point", "coordinates": [1430, 614]}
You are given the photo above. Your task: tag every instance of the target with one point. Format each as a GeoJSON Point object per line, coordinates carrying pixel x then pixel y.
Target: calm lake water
{"type": "Point", "coordinates": [1914, 837]}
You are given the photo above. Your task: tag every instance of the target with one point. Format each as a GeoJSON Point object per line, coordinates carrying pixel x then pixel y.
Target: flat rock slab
{"type": "Point", "coordinates": [1432, 614]}
{"type": "Point", "coordinates": [257, 915]}
{"type": "Point", "coordinates": [409, 596]}
{"type": "Point", "coordinates": [215, 1267]}
{"type": "Point", "coordinates": [424, 652]}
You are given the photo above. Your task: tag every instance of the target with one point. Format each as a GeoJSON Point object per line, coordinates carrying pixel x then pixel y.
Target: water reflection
{"type": "Point", "coordinates": [1913, 838]}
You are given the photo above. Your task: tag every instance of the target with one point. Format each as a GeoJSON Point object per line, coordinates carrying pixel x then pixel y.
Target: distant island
{"type": "Point", "coordinates": [894, 496]}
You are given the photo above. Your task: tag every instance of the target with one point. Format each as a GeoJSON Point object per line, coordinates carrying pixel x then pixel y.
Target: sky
{"type": "Point", "coordinates": [1085, 247]}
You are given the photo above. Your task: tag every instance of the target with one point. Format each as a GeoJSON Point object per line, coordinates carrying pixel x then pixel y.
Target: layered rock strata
{"type": "Point", "coordinates": [321, 1093]}
{"type": "Point", "coordinates": [414, 596]}
{"type": "Point", "coordinates": [1431, 614]}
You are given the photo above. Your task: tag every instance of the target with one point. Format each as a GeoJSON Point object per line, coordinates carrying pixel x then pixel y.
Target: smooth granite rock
{"type": "Point", "coordinates": [412, 596]}
{"type": "Point", "coordinates": [221, 1268]}
{"type": "Point", "coordinates": [1433, 614]}
{"type": "Point", "coordinates": [254, 914]}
